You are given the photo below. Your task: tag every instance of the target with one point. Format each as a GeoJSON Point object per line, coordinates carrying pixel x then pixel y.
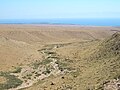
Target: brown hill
{"type": "Point", "coordinates": [91, 54]}
{"type": "Point", "coordinates": [109, 48]}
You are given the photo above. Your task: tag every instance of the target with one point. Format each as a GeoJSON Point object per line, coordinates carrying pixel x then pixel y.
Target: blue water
{"type": "Point", "coordinates": [88, 22]}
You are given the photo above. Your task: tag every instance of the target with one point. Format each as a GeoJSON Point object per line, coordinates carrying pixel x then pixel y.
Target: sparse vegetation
{"type": "Point", "coordinates": [76, 60]}
{"type": "Point", "coordinates": [36, 64]}
{"type": "Point", "coordinates": [12, 81]}
{"type": "Point", "coordinates": [46, 61]}
{"type": "Point", "coordinates": [17, 70]}
{"type": "Point", "coordinates": [62, 65]}
{"type": "Point", "coordinates": [47, 71]}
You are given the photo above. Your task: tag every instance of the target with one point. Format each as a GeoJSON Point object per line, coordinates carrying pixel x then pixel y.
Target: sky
{"type": "Point", "coordinates": [48, 9]}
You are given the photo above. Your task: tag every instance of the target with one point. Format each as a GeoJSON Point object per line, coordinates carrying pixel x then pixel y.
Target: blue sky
{"type": "Point", "coordinates": [37, 9]}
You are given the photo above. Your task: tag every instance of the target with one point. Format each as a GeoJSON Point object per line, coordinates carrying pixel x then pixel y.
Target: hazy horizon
{"type": "Point", "coordinates": [48, 9]}
{"type": "Point", "coordinates": [82, 21]}
{"type": "Point", "coordinates": [82, 12]}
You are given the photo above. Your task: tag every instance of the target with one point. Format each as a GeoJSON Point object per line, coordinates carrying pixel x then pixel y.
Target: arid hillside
{"type": "Point", "coordinates": [58, 57]}
{"type": "Point", "coordinates": [54, 33]}
{"type": "Point", "coordinates": [19, 42]}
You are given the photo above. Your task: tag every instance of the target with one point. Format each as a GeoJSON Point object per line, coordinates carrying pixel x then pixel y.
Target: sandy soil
{"type": "Point", "coordinates": [20, 45]}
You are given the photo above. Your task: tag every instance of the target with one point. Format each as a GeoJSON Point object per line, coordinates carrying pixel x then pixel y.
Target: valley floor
{"type": "Point", "coordinates": [59, 57]}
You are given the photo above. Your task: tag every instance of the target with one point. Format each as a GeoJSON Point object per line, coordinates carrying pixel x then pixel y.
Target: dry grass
{"type": "Point", "coordinates": [20, 45]}
{"type": "Point", "coordinates": [93, 67]}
